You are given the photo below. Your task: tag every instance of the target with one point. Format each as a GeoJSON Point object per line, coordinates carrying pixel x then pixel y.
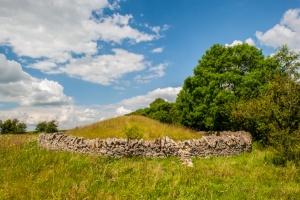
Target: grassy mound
{"type": "Point", "coordinates": [149, 128]}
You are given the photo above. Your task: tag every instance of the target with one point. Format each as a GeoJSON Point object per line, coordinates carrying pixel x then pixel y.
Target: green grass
{"type": "Point", "coordinates": [30, 172]}
{"type": "Point", "coordinates": [150, 128]}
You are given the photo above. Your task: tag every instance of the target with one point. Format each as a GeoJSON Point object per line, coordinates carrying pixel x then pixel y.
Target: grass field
{"type": "Point", "coordinates": [30, 172]}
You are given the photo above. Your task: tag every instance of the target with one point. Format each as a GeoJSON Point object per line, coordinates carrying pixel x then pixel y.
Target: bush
{"type": "Point", "coordinates": [133, 132]}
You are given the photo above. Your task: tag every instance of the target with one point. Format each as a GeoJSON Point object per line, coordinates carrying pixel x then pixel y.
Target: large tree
{"type": "Point", "coordinates": [273, 117]}
{"type": "Point", "coordinates": [224, 74]}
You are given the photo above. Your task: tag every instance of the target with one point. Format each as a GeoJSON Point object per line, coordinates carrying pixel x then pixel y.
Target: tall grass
{"type": "Point", "coordinates": [150, 128]}
{"type": "Point", "coordinates": [30, 172]}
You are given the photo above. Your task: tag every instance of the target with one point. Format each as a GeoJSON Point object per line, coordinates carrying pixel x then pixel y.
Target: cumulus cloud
{"type": "Point", "coordinates": [18, 86]}
{"type": "Point", "coordinates": [64, 36]}
{"type": "Point", "coordinates": [58, 29]}
{"type": "Point", "coordinates": [237, 42]}
{"type": "Point", "coordinates": [116, 28]}
{"type": "Point", "coordinates": [49, 28]}
{"type": "Point", "coordinates": [11, 71]}
{"type": "Point", "coordinates": [286, 32]}
{"type": "Point", "coordinates": [122, 111]}
{"type": "Point", "coordinates": [105, 69]}
{"type": "Point", "coordinates": [250, 41]}
{"type": "Point", "coordinates": [157, 50]}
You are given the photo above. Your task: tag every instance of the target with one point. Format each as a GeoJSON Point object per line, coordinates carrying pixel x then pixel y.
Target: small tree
{"type": "Point", "coordinates": [41, 127]}
{"type": "Point", "coordinates": [133, 132]}
{"type": "Point", "coordinates": [48, 127]}
{"type": "Point", "coordinates": [52, 126]}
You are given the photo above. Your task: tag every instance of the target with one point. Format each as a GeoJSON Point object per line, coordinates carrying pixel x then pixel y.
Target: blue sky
{"type": "Point", "coordinates": [79, 62]}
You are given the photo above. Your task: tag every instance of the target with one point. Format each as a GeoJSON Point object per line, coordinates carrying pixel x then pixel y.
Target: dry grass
{"type": "Point", "coordinates": [14, 140]}
{"type": "Point", "coordinates": [150, 128]}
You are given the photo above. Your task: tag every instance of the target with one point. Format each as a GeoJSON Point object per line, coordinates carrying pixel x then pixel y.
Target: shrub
{"type": "Point", "coordinates": [133, 132]}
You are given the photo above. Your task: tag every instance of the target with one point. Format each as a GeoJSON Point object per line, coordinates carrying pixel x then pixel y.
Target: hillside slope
{"type": "Point", "coordinates": [150, 128]}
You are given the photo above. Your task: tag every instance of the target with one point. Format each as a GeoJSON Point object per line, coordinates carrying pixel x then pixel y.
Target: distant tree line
{"type": "Point", "coordinates": [237, 88]}
{"type": "Point", "coordinates": [14, 126]}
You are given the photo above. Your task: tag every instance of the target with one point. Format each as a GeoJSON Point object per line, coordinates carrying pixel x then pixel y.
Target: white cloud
{"type": "Point", "coordinates": [57, 29]}
{"type": "Point", "coordinates": [116, 28]}
{"type": "Point", "coordinates": [157, 50]}
{"type": "Point", "coordinates": [18, 86]}
{"type": "Point", "coordinates": [250, 41]}
{"type": "Point", "coordinates": [166, 27]}
{"type": "Point", "coordinates": [122, 111]}
{"type": "Point", "coordinates": [70, 116]}
{"type": "Point", "coordinates": [49, 28]}
{"type": "Point", "coordinates": [237, 42]}
{"type": "Point", "coordinates": [45, 66]}
{"type": "Point", "coordinates": [134, 103]}
{"type": "Point", "coordinates": [155, 29]}
{"type": "Point", "coordinates": [286, 32]}
{"type": "Point", "coordinates": [234, 43]}
{"type": "Point", "coordinates": [159, 70]}
{"type": "Point", "coordinates": [11, 71]}
{"type": "Point", "coordinates": [52, 32]}
{"type": "Point", "coordinates": [155, 72]}
{"type": "Point", "coordinates": [105, 69]}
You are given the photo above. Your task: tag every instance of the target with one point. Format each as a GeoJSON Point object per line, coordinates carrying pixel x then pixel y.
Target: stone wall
{"type": "Point", "coordinates": [219, 144]}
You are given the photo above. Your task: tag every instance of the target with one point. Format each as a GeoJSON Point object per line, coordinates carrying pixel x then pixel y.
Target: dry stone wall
{"type": "Point", "coordinates": [219, 144]}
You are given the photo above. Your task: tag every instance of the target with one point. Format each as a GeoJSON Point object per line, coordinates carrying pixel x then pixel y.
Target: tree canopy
{"type": "Point", "coordinates": [224, 74]}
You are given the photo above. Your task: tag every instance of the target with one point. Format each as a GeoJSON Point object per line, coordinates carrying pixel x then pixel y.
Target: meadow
{"type": "Point", "coordinates": [30, 172]}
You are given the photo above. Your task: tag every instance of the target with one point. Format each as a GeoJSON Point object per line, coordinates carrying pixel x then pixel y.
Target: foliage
{"type": "Point", "coordinates": [274, 117]}
{"type": "Point", "coordinates": [61, 175]}
{"type": "Point", "coordinates": [12, 127]}
{"type": "Point", "coordinates": [133, 132]}
{"type": "Point", "coordinates": [224, 74]}
{"type": "Point", "coordinates": [236, 88]}
{"type": "Point", "coordinates": [160, 110]}
{"type": "Point", "coordinates": [48, 127]}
